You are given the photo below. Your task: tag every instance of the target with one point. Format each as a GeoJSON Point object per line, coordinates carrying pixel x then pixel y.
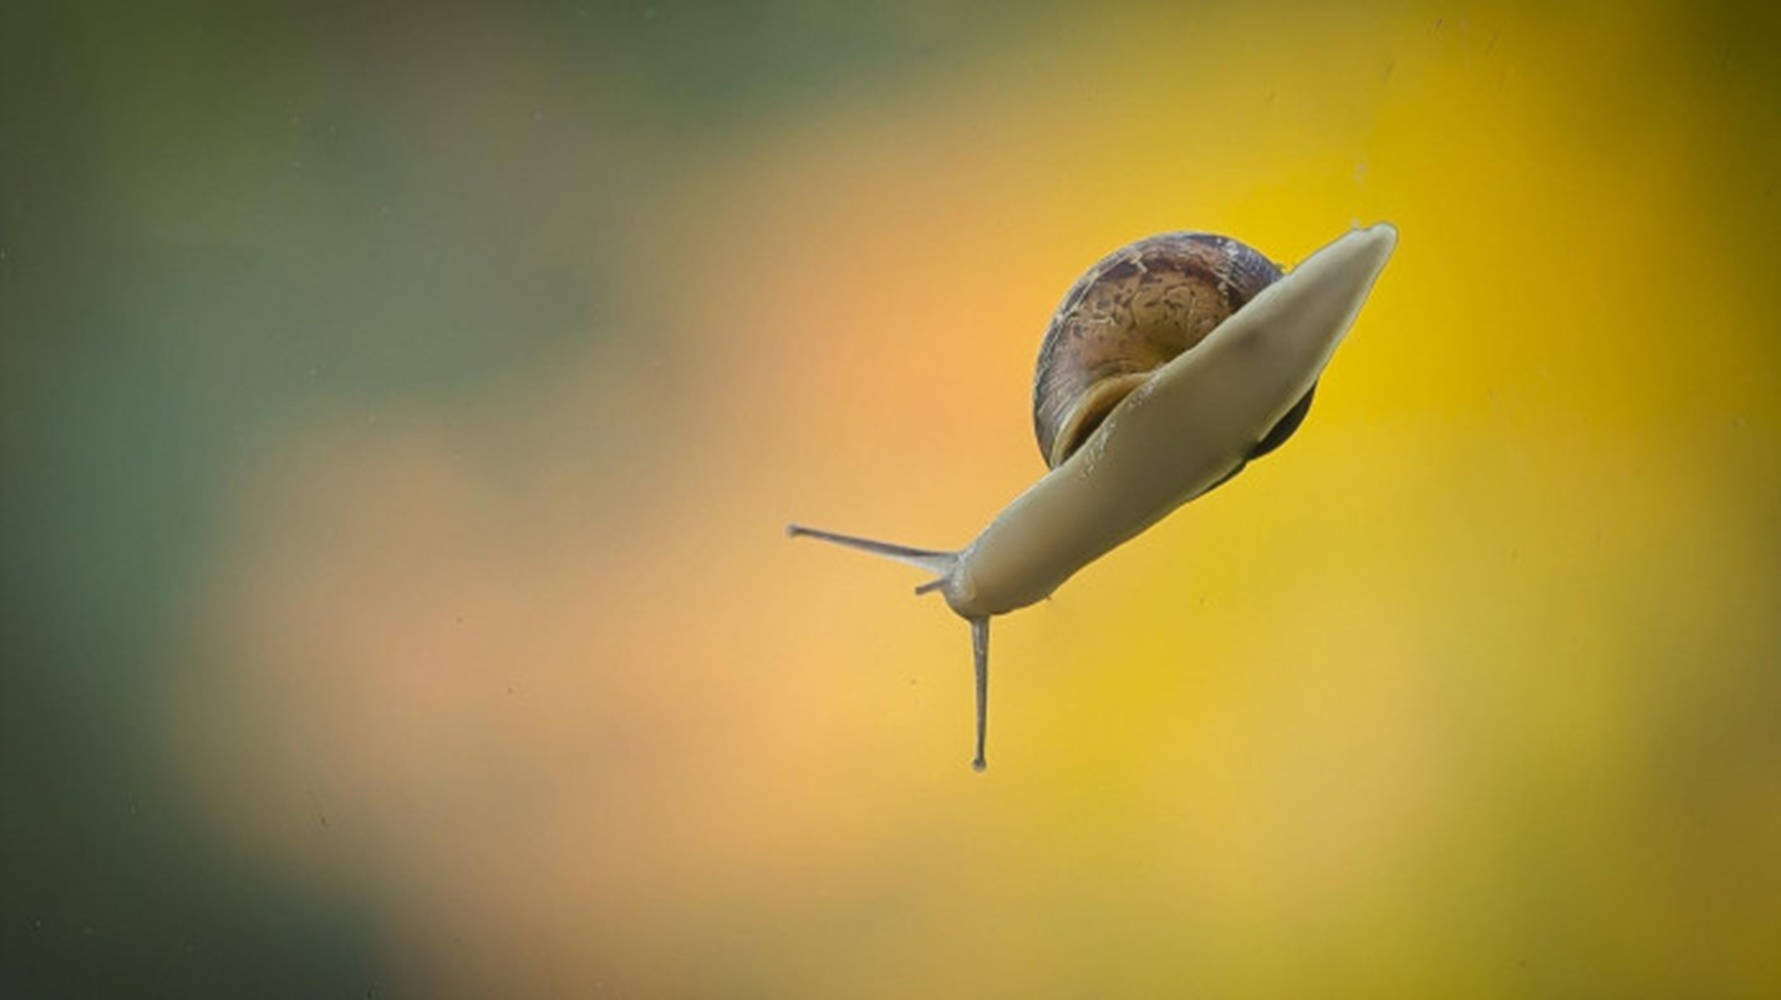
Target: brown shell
{"type": "Point", "coordinates": [1140, 306]}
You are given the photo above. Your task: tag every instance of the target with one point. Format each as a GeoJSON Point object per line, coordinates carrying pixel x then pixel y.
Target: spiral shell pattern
{"type": "Point", "coordinates": [1137, 308]}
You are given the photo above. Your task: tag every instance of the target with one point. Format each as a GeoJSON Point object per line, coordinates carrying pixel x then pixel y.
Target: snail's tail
{"type": "Point", "coordinates": [929, 559]}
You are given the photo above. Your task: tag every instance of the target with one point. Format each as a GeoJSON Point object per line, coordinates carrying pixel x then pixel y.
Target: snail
{"type": "Point", "coordinates": [1168, 366]}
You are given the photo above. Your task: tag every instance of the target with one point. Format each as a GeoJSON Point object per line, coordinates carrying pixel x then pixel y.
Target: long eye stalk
{"type": "Point", "coordinates": [929, 559]}
{"type": "Point", "coordinates": [980, 654]}
{"type": "Point", "coordinates": [934, 561]}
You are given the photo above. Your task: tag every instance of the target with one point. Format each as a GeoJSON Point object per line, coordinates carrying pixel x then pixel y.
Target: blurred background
{"type": "Point", "coordinates": [401, 406]}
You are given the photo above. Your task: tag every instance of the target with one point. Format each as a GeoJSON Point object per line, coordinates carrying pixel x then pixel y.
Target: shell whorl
{"type": "Point", "coordinates": [1140, 306]}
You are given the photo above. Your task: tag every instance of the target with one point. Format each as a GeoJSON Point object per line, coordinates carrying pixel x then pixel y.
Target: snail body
{"type": "Point", "coordinates": [1133, 431]}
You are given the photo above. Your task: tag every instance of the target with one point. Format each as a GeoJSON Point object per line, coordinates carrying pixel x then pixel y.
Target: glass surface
{"type": "Point", "coordinates": [402, 405]}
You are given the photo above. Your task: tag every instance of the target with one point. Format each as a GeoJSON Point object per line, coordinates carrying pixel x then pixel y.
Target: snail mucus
{"type": "Point", "coordinates": [1168, 366]}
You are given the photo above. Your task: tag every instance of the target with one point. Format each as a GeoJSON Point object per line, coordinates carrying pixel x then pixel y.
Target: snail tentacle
{"type": "Point", "coordinates": [932, 560]}
{"type": "Point", "coordinates": [980, 661]}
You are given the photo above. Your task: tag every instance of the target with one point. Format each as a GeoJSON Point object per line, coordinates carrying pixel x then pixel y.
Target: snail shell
{"type": "Point", "coordinates": [1169, 365]}
{"type": "Point", "coordinates": [1130, 314]}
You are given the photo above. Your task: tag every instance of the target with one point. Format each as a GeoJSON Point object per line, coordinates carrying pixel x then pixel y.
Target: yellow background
{"type": "Point", "coordinates": [438, 385]}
